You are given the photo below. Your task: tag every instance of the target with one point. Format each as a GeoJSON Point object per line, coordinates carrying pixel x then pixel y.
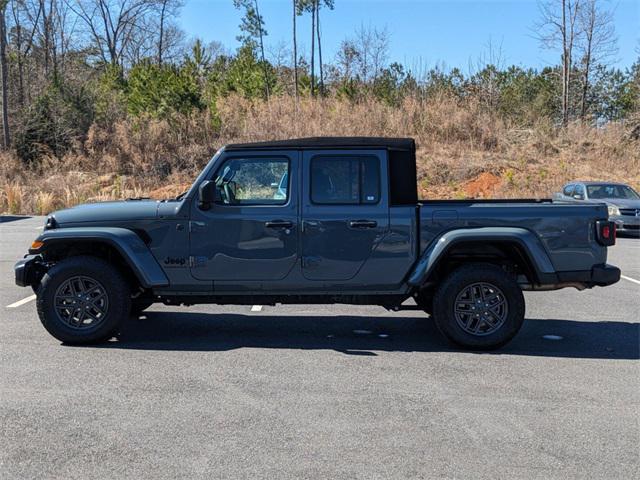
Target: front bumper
{"type": "Point", "coordinates": [29, 270]}
{"type": "Point", "coordinates": [626, 223]}
{"type": "Point", "coordinates": [599, 276]}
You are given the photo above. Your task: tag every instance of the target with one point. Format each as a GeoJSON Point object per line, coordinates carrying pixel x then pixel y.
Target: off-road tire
{"type": "Point", "coordinates": [114, 284]}
{"type": "Point", "coordinates": [444, 306]}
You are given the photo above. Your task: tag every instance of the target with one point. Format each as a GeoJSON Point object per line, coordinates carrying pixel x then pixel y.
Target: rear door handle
{"type": "Point", "coordinates": [363, 224]}
{"type": "Point", "coordinates": [197, 226]}
{"type": "Point", "coordinates": [278, 224]}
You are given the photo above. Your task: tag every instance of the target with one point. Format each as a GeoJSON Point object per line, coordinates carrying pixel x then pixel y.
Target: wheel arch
{"type": "Point", "coordinates": [515, 247]}
{"type": "Point", "coordinates": [118, 245]}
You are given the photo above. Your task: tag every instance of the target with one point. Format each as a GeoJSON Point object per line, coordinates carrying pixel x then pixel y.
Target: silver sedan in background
{"type": "Point", "coordinates": [622, 200]}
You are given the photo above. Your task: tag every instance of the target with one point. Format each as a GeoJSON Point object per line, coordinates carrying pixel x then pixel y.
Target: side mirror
{"type": "Point", "coordinates": [577, 196]}
{"type": "Point", "coordinates": [207, 194]}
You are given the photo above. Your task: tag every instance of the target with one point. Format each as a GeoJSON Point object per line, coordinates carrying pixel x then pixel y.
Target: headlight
{"type": "Point", "coordinates": [613, 210]}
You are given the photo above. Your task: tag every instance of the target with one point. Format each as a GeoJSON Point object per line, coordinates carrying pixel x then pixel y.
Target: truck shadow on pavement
{"type": "Point", "coordinates": [12, 218]}
{"type": "Point", "coordinates": [361, 335]}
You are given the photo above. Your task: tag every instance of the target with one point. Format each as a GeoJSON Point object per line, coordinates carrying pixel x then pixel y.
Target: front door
{"type": "Point", "coordinates": [345, 211]}
{"type": "Point", "coordinates": [251, 231]}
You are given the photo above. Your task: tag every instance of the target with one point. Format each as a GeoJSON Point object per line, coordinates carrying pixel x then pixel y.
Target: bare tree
{"type": "Point", "coordinates": [295, 49]}
{"type": "Point", "coordinates": [23, 35]}
{"type": "Point", "coordinates": [62, 31]}
{"type": "Point", "coordinates": [598, 43]}
{"type": "Point", "coordinates": [261, 34]}
{"type": "Point", "coordinates": [156, 35]}
{"type": "Point", "coordinates": [329, 4]}
{"type": "Point", "coordinates": [488, 67]}
{"type": "Point", "coordinates": [111, 24]}
{"type": "Point", "coordinates": [363, 57]}
{"type": "Point", "coordinates": [163, 12]}
{"type": "Point", "coordinates": [372, 45]}
{"type": "Point", "coordinates": [50, 19]}
{"type": "Point", "coordinates": [4, 74]}
{"type": "Point", "coordinates": [312, 6]}
{"type": "Point", "coordinates": [278, 54]}
{"type": "Point", "coordinates": [347, 59]}
{"type": "Point", "coordinates": [558, 27]}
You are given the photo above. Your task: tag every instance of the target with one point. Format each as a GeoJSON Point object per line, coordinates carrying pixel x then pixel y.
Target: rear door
{"type": "Point", "coordinates": [345, 211]}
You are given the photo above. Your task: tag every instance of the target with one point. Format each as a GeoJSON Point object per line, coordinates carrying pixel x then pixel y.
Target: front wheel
{"type": "Point", "coordinates": [83, 300]}
{"type": "Point", "coordinates": [479, 307]}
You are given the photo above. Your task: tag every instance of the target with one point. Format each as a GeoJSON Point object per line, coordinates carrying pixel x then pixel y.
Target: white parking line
{"type": "Point", "coordinates": [256, 308]}
{"type": "Point", "coordinates": [22, 302]}
{"type": "Point", "coordinates": [630, 279]}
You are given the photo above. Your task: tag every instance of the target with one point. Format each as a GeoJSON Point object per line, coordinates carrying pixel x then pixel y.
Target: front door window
{"type": "Point", "coordinates": [253, 181]}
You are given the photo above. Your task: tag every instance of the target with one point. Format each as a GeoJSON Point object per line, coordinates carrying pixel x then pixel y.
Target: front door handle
{"type": "Point", "coordinates": [363, 224]}
{"type": "Point", "coordinates": [278, 224]}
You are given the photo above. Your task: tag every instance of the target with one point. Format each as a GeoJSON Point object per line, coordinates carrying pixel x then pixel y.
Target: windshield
{"type": "Point", "coordinates": [612, 191]}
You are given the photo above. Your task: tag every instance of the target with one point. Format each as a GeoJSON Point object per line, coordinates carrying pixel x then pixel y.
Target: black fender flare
{"type": "Point", "coordinates": [530, 244]}
{"type": "Point", "coordinates": [126, 242]}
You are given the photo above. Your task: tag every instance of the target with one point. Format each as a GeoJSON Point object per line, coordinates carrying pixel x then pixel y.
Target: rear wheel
{"type": "Point", "coordinates": [479, 307]}
{"type": "Point", "coordinates": [83, 300]}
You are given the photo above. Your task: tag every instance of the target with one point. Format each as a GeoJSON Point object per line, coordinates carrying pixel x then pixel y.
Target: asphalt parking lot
{"type": "Point", "coordinates": [323, 391]}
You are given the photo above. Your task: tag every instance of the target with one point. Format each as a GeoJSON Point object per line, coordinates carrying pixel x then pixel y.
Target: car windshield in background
{"type": "Point", "coordinates": [612, 191]}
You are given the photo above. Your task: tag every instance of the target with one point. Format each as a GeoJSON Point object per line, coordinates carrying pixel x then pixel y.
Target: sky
{"type": "Point", "coordinates": [423, 33]}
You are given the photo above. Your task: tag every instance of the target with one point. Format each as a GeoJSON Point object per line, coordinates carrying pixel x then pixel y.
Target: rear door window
{"type": "Point", "coordinates": [345, 180]}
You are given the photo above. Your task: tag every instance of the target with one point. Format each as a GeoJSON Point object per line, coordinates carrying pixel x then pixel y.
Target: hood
{"type": "Point", "coordinates": [108, 212]}
{"type": "Point", "coordinates": [618, 202]}
{"type": "Point", "coordinates": [622, 202]}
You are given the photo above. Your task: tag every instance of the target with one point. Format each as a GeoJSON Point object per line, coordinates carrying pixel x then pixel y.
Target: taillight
{"type": "Point", "coordinates": [606, 232]}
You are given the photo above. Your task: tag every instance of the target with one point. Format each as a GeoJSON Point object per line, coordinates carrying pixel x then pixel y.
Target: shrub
{"type": "Point", "coordinates": [57, 119]}
{"type": "Point", "coordinates": [160, 91]}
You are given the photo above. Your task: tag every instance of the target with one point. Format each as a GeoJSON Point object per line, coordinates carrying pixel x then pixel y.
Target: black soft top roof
{"type": "Point", "coordinates": [406, 144]}
{"type": "Point", "coordinates": [402, 158]}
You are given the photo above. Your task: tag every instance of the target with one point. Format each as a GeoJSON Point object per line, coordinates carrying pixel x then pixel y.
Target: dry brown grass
{"type": "Point", "coordinates": [13, 197]}
{"type": "Point", "coordinates": [457, 144]}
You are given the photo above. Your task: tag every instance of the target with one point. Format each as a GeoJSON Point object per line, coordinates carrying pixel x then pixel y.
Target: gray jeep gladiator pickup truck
{"type": "Point", "coordinates": [314, 220]}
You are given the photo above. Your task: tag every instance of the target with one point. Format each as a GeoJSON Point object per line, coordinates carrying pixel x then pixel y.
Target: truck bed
{"type": "Point", "coordinates": [486, 200]}
{"type": "Point", "coordinates": [561, 227]}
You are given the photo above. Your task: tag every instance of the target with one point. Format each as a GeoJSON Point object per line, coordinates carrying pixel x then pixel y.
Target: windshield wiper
{"type": "Point", "coordinates": [181, 196]}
